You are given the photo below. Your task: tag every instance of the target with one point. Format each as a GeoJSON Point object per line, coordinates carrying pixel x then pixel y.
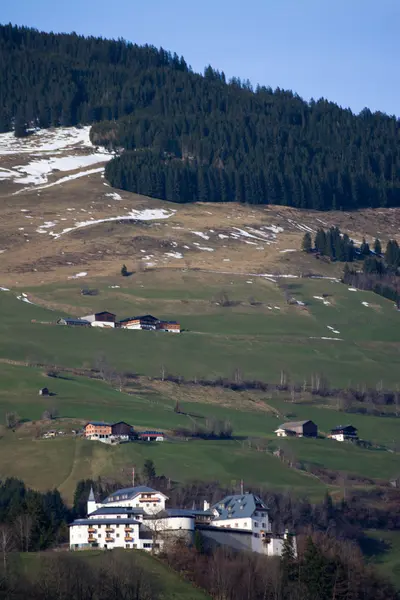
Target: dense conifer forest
{"type": "Point", "coordinates": [188, 137]}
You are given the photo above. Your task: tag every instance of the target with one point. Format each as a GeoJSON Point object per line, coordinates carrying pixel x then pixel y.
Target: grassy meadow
{"type": "Point", "coordinates": [260, 339]}
{"type": "Point", "coordinates": [259, 334]}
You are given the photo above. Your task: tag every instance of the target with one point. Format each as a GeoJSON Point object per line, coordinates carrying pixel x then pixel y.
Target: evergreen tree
{"type": "Point", "coordinates": [320, 241]}
{"type": "Point", "coordinates": [199, 542]}
{"type": "Point", "coordinates": [189, 137]}
{"type": "Point", "coordinates": [306, 245]}
{"type": "Point", "coordinates": [364, 248]}
{"type": "Point", "coordinates": [392, 254]}
{"type": "Point", "coordinates": [124, 271]}
{"type": "Point", "coordinates": [149, 470]}
{"type": "Point", "coordinates": [377, 247]}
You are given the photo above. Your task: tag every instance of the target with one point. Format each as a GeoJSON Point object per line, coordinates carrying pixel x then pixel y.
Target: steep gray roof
{"type": "Point", "coordinates": [114, 510]}
{"type": "Point", "coordinates": [238, 506]}
{"type": "Point", "coordinates": [91, 495]}
{"type": "Point", "coordinates": [131, 492]}
{"type": "Point", "coordinates": [104, 522]}
{"type": "Point", "coordinates": [291, 424]}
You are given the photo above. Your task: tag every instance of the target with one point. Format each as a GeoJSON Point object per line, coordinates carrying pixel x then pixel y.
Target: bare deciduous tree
{"type": "Point", "coordinates": [6, 544]}
{"type": "Point", "coordinates": [12, 419]}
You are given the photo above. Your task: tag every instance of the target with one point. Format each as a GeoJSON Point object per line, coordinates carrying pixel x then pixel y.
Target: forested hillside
{"type": "Point", "coordinates": [188, 137]}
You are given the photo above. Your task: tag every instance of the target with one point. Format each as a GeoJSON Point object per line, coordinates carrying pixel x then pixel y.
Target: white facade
{"type": "Point", "coordinates": [132, 325]}
{"type": "Point", "coordinates": [150, 502]}
{"type": "Point", "coordinates": [257, 522]}
{"type": "Point", "coordinates": [106, 324]}
{"type": "Point", "coordinates": [136, 518]}
{"type": "Point", "coordinates": [281, 433]}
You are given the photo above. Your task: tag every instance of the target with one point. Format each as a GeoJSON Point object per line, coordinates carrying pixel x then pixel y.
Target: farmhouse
{"type": "Point", "coordinates": [297, 429]}
{"type": "Point", "coordinates": [149, 323]}
{"type": "Point", "coordinates": [137, 517]}
{"type": "Point", "coordinates": [169, 326]}
{"type": "Point", "coordinates": [98, 430]}
{"type": "Point", "coordinates": [342, 433]}
{"type": "Point", "coordinates": [143, 322]}
{"type": "Point", "coordinates": [101, 319]}
{"type": "Point", "coordinates": [151, 436]}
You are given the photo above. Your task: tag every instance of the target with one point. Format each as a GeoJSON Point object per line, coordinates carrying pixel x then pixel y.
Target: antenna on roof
{"type": "Point", "coordinates": [241, 487]}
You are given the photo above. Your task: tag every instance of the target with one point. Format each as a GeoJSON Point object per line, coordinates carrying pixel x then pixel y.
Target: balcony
{"type": "Point", "coordinates": [91, 530]}
{"type": "Point", "coordinates": [109, 529]}
{"type": "Point", "coordinates": [109, 539]}
{"type": "Point", "coordinates": [149, 499]}
{"type": "Point", "coordinates": [91, 539]}
{"type": "Point", "coordinates": [128, 529]}
{"type": "Point", "coordinates": [128, 538]}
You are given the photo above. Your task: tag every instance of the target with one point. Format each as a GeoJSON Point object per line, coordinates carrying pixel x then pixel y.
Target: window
{"type": "Point", "coordinates": [256, 535]}
{"type": "Point", "coordinates": [118, 517]}
{"type": "Point", "coordinates": [117, 534]}
{"type": "Point", "coordinates": [255, 523]}
{"type": "Point", "coordinates": [256, 514]}
{"type": "Point", "coordinates": [263, 525]}
{"type": "Point", "coordinates": [236, 525]}
{"type": "Point", "coordinates": [146, 545]}
{"type": "Point", "coordinates": [127, 546]}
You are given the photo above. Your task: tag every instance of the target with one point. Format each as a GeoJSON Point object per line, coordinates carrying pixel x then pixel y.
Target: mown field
{"type": "Point", "coordinates": [61, 462]}
{"type": "Point", "coordinates": [260, 339]}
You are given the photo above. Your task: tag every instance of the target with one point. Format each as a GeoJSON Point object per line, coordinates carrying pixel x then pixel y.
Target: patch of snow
{"type": "Point", "coordinates": [3, 289]}
{"type": "Point", "coordinates": [249, 282]}
{"type": "Point", "coordinates": [335, 339]}
{"type": "Point", "coordinates": [114, 196]}
{"type": "Point", "coordinates": [223, 237]}
{"type": "Point", "coordinates": [318, 297]}
{"type": "Point", "coordinates": [174, 254]}
{"type": "Point", "coordinates": [277, 307]}
{"type": "Point", "coordinates": [82, 274]}
{"type": "Point", "coordinates": [24, 298]}
{"type": "Point", "coordinates": [365, 303]}
{"type": "Point", "coordinates": [64, 180]}
{"type": "Point", "coordinates": [226, 259]}
{"type": "Point", "coordinates": [146, 214]}
{"type": "Point", "coordinates": [353, 290]}
{"type": "Point", "coordinates": [205, 248]}
{"type": "Point", "coordinates": [201, 234]}
{"type": "Point", "coordinates": [288, 250]}
{"type": "Point", "coordinates": [274, 228]}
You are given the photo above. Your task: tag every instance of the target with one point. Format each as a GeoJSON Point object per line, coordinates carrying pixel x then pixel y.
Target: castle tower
{"type": "Point", "coordinates": [91, 502]}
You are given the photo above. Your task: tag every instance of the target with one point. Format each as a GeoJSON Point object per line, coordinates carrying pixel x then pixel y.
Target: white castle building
{"type": "Point", "coordinates": [137, 517]}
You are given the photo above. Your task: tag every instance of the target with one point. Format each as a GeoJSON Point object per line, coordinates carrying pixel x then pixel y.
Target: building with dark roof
{"type": "Point", "coordinates": [136, 517]}
{"type": "Point", "coordinates": [341, 433]}
{"type": "Point", "coordinates": [297, 429]}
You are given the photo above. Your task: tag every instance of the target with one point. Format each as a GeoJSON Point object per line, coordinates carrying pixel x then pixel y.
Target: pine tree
{"type": "Point", "coordinates": [364, 248]}
{"type": "Point", "coordinates": [320, 241]}
{"type": "Point", "coordinates": [306, 245]}
{"type": "Point", "coordinates": [377, 247]}
{"type": "Point", "coordinates": [124, 271]}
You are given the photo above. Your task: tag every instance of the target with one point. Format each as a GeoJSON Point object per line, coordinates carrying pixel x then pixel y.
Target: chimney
{"type": "Point", "coordinates": [206, 505]}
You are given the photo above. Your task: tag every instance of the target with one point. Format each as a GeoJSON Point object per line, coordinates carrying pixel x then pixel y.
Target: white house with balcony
{"type": "Point", "coordinates": [137, 517]}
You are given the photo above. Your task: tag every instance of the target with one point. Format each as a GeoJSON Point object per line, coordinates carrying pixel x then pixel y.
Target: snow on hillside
{"type": "Point", "coordinates": [45, 140]}
{"type": "Point", "coordinates": [51, 150]}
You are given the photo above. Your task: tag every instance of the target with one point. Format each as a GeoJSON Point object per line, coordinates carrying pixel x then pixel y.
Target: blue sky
{"type": "Point", "coordinates": [344, 50]}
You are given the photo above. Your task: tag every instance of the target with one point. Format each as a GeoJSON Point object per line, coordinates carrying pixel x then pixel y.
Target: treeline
{"type": "Point", "coordinates": [339, 246]}
{"type": "Point", "coordinates": [30, 520]}
{"type": "Point", "coordinates": [48, 79]}
{"type": "Point", "coordinates": [63, 576]}
{"type": "Point", "coordinates": [324, 569]}
{"type": "Point", "coordinates": [188, 137]}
